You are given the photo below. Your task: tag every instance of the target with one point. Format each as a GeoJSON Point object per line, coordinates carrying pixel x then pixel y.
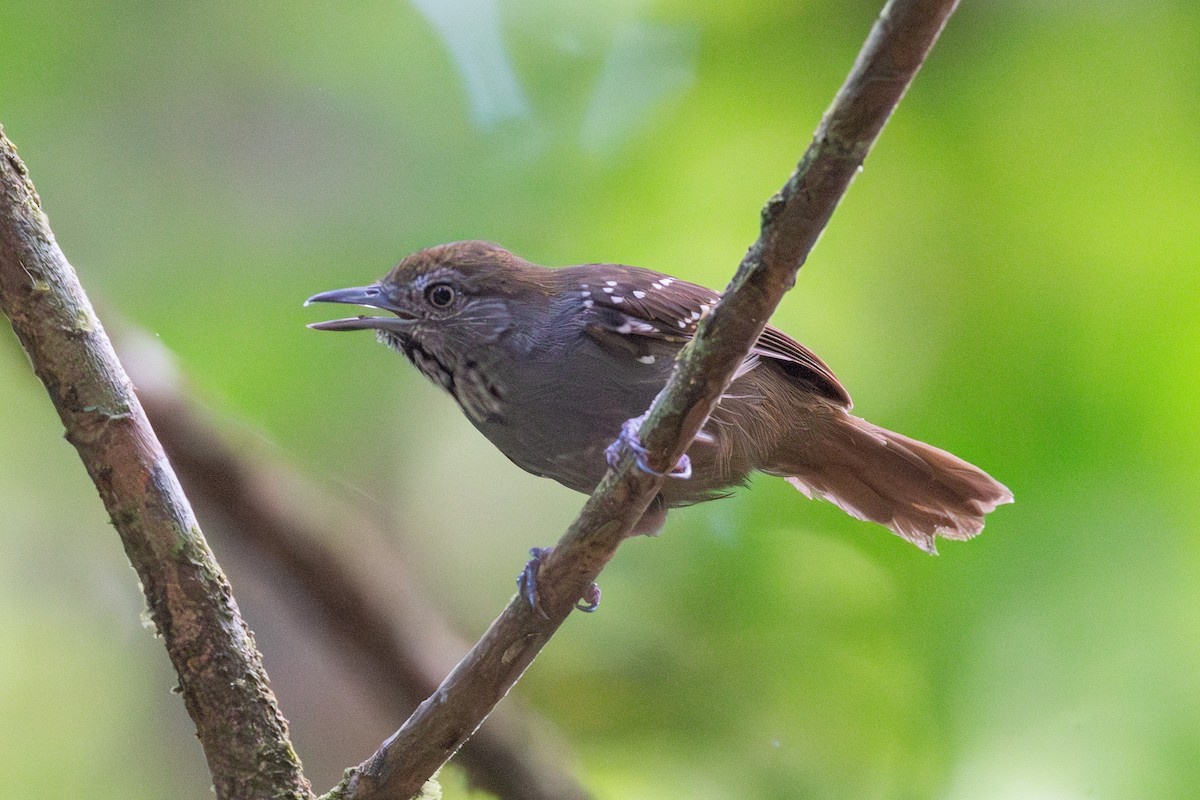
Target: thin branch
{"type": "Point", "coordinates": [347, 572]}
{"type": "Point", "coordinates": [221, 677]}
{"type": "Point", "coordinates": [792, 221]}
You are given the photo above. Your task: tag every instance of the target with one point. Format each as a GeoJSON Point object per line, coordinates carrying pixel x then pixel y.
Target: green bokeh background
{"type": "Point", "coordinates": [1014, 277]}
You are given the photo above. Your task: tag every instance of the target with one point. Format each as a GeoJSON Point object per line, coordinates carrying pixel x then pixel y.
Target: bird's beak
{"type": "Point", "coordinates": [371, 296]}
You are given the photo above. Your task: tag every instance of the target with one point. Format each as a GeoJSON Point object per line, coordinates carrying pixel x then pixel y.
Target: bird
{"type": "Point", "coordinates": [552, 364]}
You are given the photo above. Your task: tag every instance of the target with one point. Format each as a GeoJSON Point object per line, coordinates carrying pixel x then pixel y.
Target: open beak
{"type": "Point", "coordinates": [371, 296]}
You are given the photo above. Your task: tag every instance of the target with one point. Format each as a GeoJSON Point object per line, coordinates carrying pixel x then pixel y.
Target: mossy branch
{"type": "Point", "coordinates": [221, 676]}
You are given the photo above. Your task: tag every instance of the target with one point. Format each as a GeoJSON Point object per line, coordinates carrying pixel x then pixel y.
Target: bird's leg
{"type": "Point", "coordinates": [629, 438]}
{"type": "Point", "coordinates": [527, 584]}
{"type": "Point", "coordinates": [649, 524]}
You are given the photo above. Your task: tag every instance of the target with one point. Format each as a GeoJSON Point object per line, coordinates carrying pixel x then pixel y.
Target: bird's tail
{"type": "Point", "coordinates": [917, 490]}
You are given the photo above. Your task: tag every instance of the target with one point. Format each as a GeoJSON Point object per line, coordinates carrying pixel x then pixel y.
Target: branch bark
{"type": "Point", "coordinates": [792, 220]}
{"type": "Point", "coordinates": [221, 676]}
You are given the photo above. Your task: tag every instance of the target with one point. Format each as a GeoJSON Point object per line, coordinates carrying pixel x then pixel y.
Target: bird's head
{"type": "Point", "coordinates": [448, 297]}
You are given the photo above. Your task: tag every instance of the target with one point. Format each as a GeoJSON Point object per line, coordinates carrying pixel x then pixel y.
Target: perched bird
{"type": "Point", "coordinates": [549, 364]}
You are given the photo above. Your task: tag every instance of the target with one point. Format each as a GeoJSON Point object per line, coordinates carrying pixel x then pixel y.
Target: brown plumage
{"type": "Point", "coordinates": [547, 364]}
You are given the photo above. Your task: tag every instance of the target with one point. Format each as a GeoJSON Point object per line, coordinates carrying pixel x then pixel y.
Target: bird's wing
{"type": "Point", "coordinates": [642, 311]}
{"type": "Point", "coordinates": [774, 343]}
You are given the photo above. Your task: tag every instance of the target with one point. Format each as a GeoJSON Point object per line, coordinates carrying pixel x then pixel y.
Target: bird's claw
{"type": "Point", "coordinates": [590, 599]}
{"type": "Point", "coordinates": [629, 438]}
{"type": "Point", "coordinates": [527, 580]}
{"type": "Point", "coordinates": [527, 584]}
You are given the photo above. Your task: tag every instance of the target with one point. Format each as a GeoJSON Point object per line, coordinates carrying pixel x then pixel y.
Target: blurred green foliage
{"type": "Point", "coordinates": [1014, 277]}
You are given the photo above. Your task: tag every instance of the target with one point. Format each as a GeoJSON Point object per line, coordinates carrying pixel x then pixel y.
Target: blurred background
{"type": "Point", "coordinates": [1013, 277]}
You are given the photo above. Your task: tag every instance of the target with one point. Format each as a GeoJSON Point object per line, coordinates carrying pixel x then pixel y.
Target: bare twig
{"type": "Point", "coordinates": [792, 221]}
{"type": "Point", "coordinates": [363, 597]}
{"type": "Point", "coordinates": [220, 671]}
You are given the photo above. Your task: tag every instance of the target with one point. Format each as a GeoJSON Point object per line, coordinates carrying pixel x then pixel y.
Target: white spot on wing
{"type": "Point", "coordinates": [632, 325]}
{"type": "Point", "coordinates": [639, 294]}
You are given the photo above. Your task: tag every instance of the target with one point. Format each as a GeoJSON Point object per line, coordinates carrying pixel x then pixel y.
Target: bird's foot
{"type": "Point", "coordinates": [527, 584]}
{"type": "Point", "coordinates": [629, 438]}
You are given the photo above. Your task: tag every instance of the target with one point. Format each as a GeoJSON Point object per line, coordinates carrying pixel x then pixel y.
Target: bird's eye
{"type": "Point", "coordinates": [440, 295]}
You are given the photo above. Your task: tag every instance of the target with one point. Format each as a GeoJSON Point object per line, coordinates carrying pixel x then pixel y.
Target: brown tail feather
{"type": "Point", "coordinates": [917, 490]}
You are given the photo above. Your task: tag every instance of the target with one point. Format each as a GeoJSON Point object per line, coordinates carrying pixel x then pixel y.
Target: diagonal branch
{"type": "Point", "coordinates": [792, 220]}
{"type": "Point", "coordinates": [221, 677]}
